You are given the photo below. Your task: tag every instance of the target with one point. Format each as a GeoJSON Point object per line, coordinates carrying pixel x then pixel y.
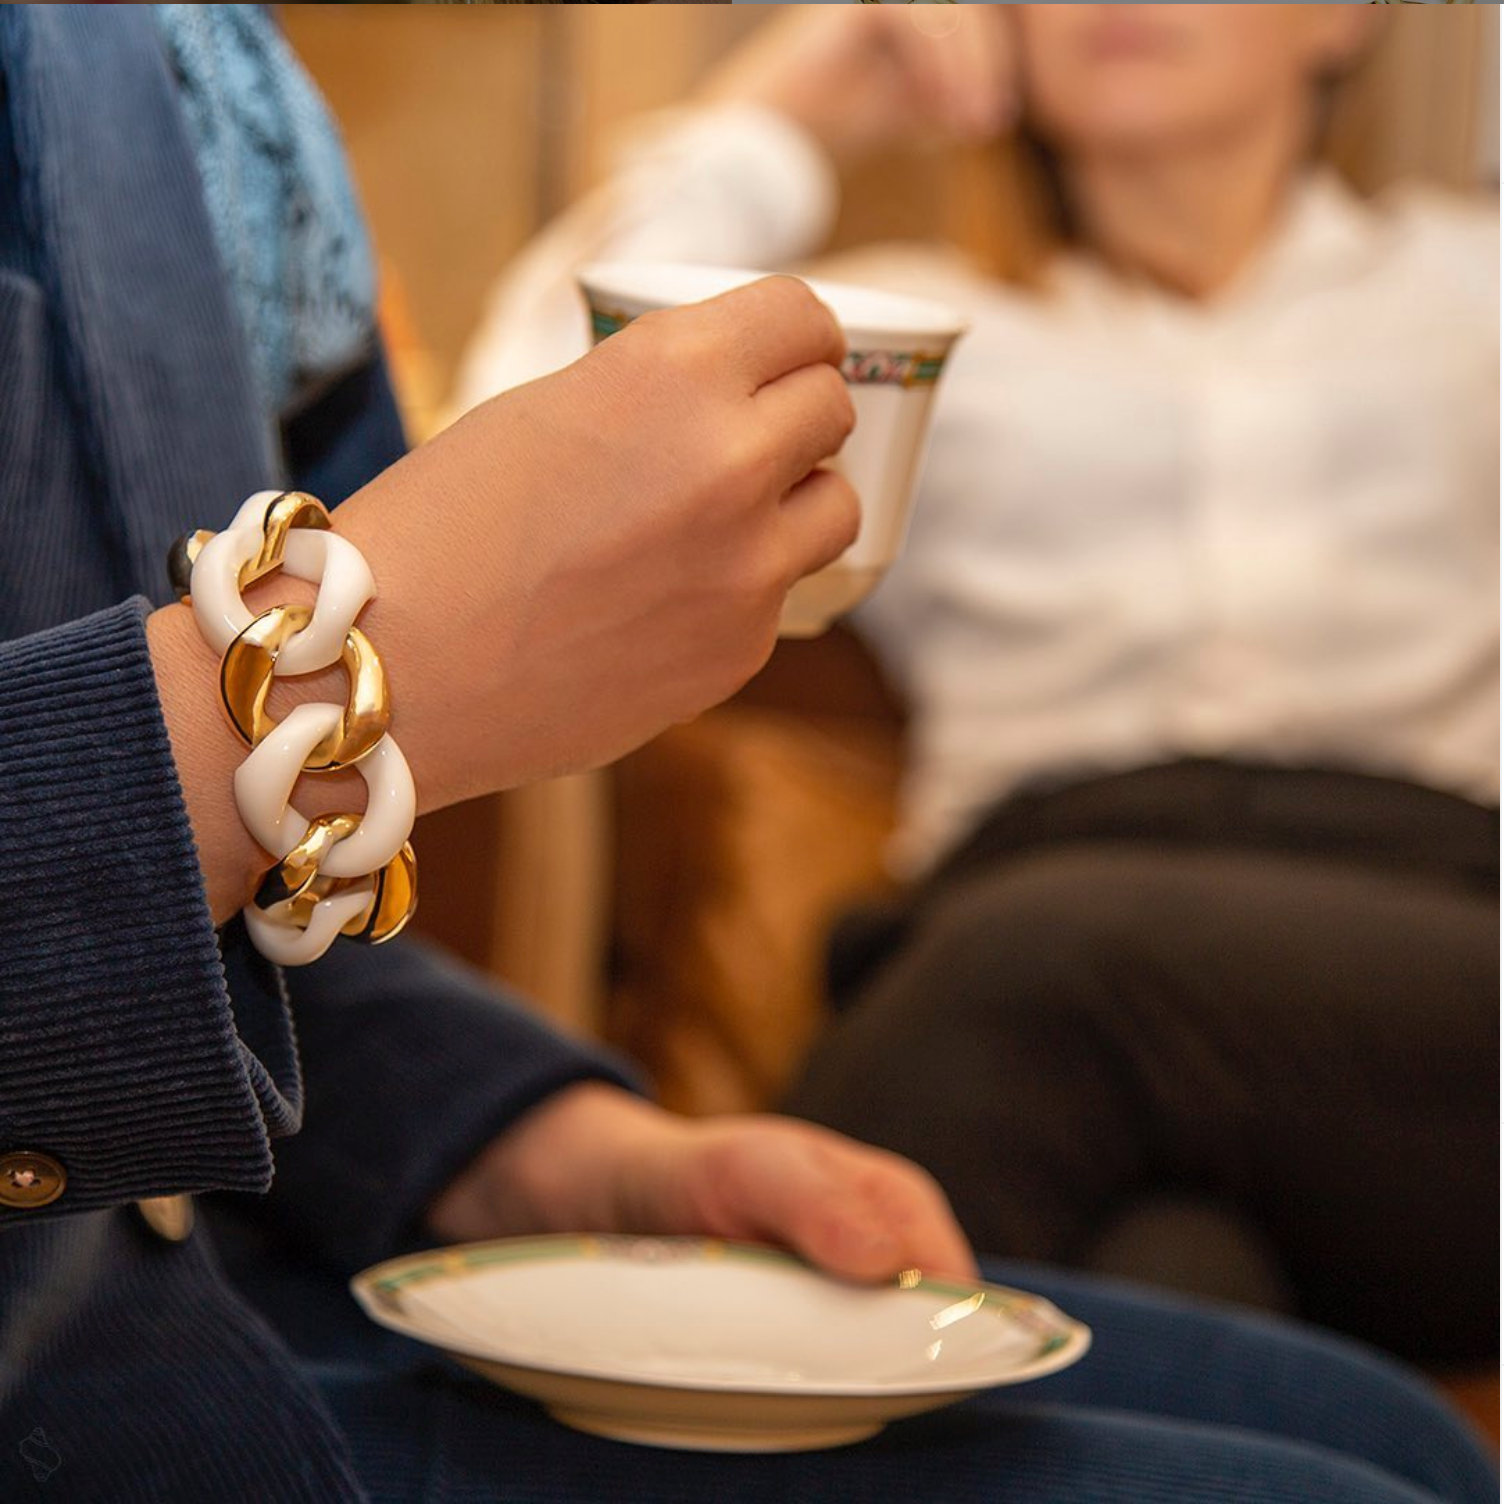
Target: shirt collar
{"type": "Point", "coordinates": [1324, 232]}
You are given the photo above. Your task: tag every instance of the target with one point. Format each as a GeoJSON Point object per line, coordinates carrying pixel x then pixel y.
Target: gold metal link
{"type": "Point", "coordinates": [180, 562]}
{"type": "Point", "coordinates": [291, 876]}
{"type": "Point", "coordinates": [393, 901]}
{"type": "Point", "coordinates": [245, 681]}
{"type": "Point", "coordinates": [289, 510]}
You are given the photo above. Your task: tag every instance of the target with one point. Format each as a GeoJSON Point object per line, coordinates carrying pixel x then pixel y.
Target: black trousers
{"type": "Point", "coordinates": [1225, 1027]}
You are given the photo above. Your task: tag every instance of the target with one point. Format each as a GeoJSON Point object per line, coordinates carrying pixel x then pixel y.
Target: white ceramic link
{"type": "Point", "coordinates": [280, 940]}
{"type": "Point", "coordinates": [391, 808]}
{"type": "Point", "coordinates": [221, 614]}
{"type": "Point", "coordinates": [345, 584]}
{"type": "Point", "coordinates": [253, 509]}
{"type": "Point", "coordinates": [325, 559]}
{"type": "Point", "coordinates": [265, 780]}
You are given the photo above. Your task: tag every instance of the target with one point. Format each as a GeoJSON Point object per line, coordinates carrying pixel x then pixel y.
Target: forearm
{"type": "Point", "coordinates": [568, 569]}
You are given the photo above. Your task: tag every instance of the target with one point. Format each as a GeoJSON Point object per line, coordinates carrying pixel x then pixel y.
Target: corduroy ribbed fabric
{"type": "Point", "coordinates": [148, 1378]}
{"type": "Point", "coordinates": [118, 1052]}
{"type": "Point", "coordinates": [140, 323]}
{"type": "Point", "coordinates": [143, 1050]}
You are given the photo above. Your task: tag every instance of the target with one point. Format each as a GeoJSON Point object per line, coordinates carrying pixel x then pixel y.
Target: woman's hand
{"type": "Point", "coordinates": [585, 560]}
{"type": "Point", "coordinates": [861, 78]}
{"type": "Point", "coordinates": [595, 1159]}
{"type": "Point", "coordinates": [571, 568]}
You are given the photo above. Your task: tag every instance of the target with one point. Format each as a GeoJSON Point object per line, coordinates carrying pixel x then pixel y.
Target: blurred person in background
{"type": "Point", "coordinates": [1195, 978]}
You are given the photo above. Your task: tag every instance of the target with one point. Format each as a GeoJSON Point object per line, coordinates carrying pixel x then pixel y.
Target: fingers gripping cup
{"type": "Point", "coordinates": [896, 350]}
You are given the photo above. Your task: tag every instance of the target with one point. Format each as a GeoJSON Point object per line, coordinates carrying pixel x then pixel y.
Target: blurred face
{"type": "Point", "coordinates": [1136, 78]}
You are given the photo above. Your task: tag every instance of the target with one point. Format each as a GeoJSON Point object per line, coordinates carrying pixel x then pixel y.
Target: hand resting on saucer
{"type": "Point", "coordinates": [593, 1158]}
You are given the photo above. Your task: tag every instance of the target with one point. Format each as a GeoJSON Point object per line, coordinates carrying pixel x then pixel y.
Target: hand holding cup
{"type": "Point", "coordinates": [896, 350]}
{"type": "Point", "coordinates": [584, 560]}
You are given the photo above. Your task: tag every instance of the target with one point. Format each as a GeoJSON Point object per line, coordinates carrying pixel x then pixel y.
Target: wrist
{"type": "Point", "coordinates": [235, 803]}
{"type": "Point", "coordinates": [207, 752]}
{"type": "Point", "coordinates": [573, 1163]}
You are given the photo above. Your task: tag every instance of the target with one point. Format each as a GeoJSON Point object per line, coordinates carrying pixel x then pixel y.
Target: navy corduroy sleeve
{"type": "Point", "coordinates": [121, 1052]}
{"type": "Point", "coordinates": [150, 1054]}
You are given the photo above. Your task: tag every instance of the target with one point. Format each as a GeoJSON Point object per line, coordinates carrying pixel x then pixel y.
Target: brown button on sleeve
{"type": "Point", "coordinates": [29, 1179]}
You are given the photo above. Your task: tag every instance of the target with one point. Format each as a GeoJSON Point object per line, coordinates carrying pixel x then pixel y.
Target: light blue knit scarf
{"type": "Point", "coordinates": [280, 200]}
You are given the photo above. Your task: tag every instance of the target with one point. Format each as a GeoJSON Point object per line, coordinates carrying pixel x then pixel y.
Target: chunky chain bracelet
{"type": "Point", "coordinates": [338, 873]}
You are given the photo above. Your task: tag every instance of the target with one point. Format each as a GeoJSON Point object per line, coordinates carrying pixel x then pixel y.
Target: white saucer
{"type": "Point", "coordinates": [690, 1342]}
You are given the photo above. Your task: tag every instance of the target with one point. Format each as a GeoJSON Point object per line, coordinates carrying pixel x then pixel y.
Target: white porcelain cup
{"type": "Point", "coordinates": [896, 349]}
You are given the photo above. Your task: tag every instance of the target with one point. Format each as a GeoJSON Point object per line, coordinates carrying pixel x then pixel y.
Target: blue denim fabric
{"type": "Point", "coordinates": [1178, 1402]}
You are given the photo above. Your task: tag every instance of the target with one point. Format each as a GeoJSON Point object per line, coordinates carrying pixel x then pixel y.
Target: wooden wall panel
{"type": "Point", "coordinates": [440, 110]}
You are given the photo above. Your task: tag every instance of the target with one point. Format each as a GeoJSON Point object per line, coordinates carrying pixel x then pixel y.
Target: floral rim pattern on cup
{"type": "Point", "coordinates": [860, 367]}
{"type": "Point", "coordinates": [892, 367]}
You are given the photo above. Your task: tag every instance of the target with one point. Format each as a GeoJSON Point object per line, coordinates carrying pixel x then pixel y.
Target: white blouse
{"type": "Point", "coordinates": [1261, 526]}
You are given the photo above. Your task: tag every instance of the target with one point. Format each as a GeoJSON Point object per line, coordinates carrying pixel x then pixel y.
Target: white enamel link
{"type": "Point", "coordinates": [280, 940]}
{"type": "Point", "coordinates": [322, 558]}
{"type": "Point", "coordinates": [264, 782]}
{"type": "Point", "coordinates": [345, 584]}
{"type": "Point", "coordinates": [221, 614]}
{"type": "Point", "coordinates": [253, 509]}
{"type": "Point", "coordinates": [391, 808]}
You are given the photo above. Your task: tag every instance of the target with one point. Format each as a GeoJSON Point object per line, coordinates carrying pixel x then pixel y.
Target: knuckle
{"type": "Point", "coordinates": [840, 399]}
{"type": "Point", "coordinates": [791, 298]}
{"type": "Point", "coordinates": [672, 340]}
{"type": "Point", "coordinates": [798, 295]}
{"type": "Point", "coordinates": [781, 289]}
{"type": "Point", "coordinates": [846, 511]}
{"type": "Point", "coordinates": [646, 327]}
{"type": "Point", "coordinates": [826, 412]}
{"type": "Point", "coordinates": [746, 646]}
{"type": "Point", "coordinates": [827, 415]}
{"type": "Point", "coordinates": [745, 463]}
{"type": "Point", "coordinates": [761, 576]}
{"type": "Point", "coordinates": [759, 648]}
{"type": "Point", "coordinates": [851, 512]}
{"type": "Point", "coordinates": [795, 292]}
